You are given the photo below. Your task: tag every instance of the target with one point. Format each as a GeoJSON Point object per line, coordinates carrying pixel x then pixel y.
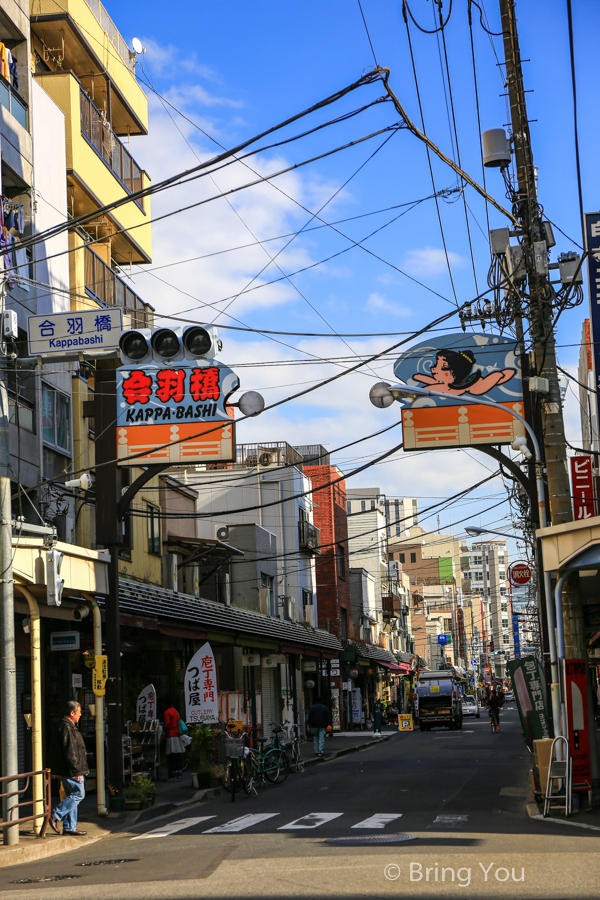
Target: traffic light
{"type": "Point", "coordinates": [491, 646]}
{"type": "Point", "coordinates": [54, 583]}
{"type": "Point", "coordinates": [166, 345]}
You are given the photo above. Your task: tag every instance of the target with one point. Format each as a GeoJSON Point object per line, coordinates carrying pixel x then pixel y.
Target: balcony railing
{"type": "Point", "coordinates": [104, 285]}
{"type": "Point", "coordinates": [102, 138]}
{"type": "Point", "coordinates": [11, 100]}
{"type": "Point", "coordinates": [309, 536]}
{"type": "Point", "coordinates": [113, 33]}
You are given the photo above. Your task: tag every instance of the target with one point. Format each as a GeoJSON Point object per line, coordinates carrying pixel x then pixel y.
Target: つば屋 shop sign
{"type": "Point", "coordinates": [175, 414]}
{"type": "Point", "coordinates": [457, 366]}
{"type": "Point", "coordinates": [201, 697]}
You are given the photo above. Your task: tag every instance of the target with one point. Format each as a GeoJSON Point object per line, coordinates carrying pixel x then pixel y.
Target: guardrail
{"type": "Point", "coordinates": [46, 799]}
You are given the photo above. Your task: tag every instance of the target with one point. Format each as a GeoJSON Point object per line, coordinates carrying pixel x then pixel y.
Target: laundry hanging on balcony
{"type": "Point", "coordinates": [8, 66]}
{"type": "Point", "coordinates": [13, 216]}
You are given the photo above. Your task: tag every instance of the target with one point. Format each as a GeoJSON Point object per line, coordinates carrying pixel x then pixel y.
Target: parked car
{"type": "Point", "coordinates": [470, 707]}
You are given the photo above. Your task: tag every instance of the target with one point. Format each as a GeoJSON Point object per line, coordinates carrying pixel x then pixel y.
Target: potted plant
{"type": "Point", "coordinates": [140, 793]}
{"type": "Point", "coordinates": [199, 765]}
{"type": "Point", "coordinates": [117, 800]}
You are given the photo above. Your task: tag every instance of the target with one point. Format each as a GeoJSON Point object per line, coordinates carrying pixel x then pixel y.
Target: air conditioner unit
{"type": "Point", "coordinates": [267, 457]}
{"type": "Point", "coordinates": [223, 533]}
{"type": "Point", "coordinates": [394, 569]}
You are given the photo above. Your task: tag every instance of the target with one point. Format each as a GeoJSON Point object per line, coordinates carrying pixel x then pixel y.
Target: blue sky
{"type": "Point", "coordinates": [236, 68]}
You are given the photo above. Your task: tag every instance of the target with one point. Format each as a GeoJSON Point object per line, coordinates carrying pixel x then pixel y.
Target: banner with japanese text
{"type": "Point", "coordinates": [176, 414]}
{"type": "Point", "coordinates": [201, 698]}
{"type": "Point", "coordinates": [529, 684]}
{"type": "Point", "coordinates": [582, 487]}
{"type": "Point", "coordinates": [146, 704]}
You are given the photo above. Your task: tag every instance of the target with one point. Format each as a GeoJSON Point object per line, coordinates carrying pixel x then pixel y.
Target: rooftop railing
{"type": "Point", "coordinates": [113, 33]}
{"type": "Point", "coordinates": [104, 285]}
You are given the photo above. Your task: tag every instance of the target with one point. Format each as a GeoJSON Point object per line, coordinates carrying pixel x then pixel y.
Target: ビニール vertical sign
{"type": "Point", "coordinates": [582, 487]}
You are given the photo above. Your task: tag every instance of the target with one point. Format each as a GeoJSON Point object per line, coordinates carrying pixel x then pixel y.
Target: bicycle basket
{"type": "Point", "coordinates": [234, 749]}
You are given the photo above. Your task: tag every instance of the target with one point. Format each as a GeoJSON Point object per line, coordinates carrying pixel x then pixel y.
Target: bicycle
{"type": "Point", "coordinates": [261, 766]}
{"type": "Point", "coordinates": [237, 774]}
{"type": "Point", "coordinates": [286, 738]}
{"type": "Point", "coordinates": [495, 720]}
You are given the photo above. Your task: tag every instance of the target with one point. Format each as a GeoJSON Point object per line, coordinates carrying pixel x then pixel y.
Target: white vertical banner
{"type": "Point", "coordinates": [146, 704]}
{"type": "Point", "coordinates": [201, 699]}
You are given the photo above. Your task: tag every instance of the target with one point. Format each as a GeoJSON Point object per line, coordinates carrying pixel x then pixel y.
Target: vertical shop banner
{"type": "Point", "coordinates": [356, 706]}
{"type": "Point", "coordinates": [529, 685]}
{"type": "Point", "coordinates": [592, 245]}
{"type": "Point", "coordinates": [473, 365]}
{"type": "Point", "coordinates": [335, 709]}
{"type": "Point", "coordinates": [201, 697]}
{"type": "Point", "coordinates": [582, 487]}
{"type": "Point", "coordinates": [575, 687]}
{"type": "Point", "coordinates": [516, 636]}
{"type": "Point", "coordinates": [146, 704]}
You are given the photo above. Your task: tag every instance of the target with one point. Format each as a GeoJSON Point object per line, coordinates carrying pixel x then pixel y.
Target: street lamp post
{"type": "Point", "coordinates": [382, 395]}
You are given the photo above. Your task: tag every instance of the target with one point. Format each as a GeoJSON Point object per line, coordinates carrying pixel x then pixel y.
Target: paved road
{"type": "Point", "coordinates": [460, 794]}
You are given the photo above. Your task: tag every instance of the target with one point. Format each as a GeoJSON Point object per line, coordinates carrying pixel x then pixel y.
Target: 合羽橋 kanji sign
{"type": "Point", "coordinates": [175, 414]}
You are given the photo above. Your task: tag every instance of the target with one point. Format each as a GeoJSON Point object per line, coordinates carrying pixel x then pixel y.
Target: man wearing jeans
{"type": "Point", "coordinates": [319, 717]}
{"type": "Point", "coordinates": [71, 765]}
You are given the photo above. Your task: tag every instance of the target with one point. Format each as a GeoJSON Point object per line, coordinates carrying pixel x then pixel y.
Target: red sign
{"type": "Point", "coordinates": [577, 722]}
{"type": "Point", "coordinates": [520, 573]}
{"type": "Point", "coordinates": [582, 481]}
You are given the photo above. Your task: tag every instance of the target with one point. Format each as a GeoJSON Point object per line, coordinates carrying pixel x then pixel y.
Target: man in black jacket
{"type": "Point", "coordinates": [319, 717]}
{"type": "Point", "coordinates": [71, 764]}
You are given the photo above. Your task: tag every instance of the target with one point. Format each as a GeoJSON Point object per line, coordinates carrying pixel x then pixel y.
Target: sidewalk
{"type": "Point", "coordinates": [584, 818]}
{"type": "Point", "coordinates": [170, 797]}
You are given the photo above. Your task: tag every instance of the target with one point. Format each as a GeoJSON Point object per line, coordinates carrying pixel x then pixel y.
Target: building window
{"type": "Point", "coordinates": [413, 558]}
{"type": "Point", "coordinates": [372, 504]}
{"type": "Point", "coordinates": [505, 639]}
{"type": "Point", "coordinates": [348, 507]}
{"type": "Point", "coordinates": [266, 584]}
{"type": "Point", "coordinates": [504, 607]}
{"type": "Point", "coordinates": [307, 599]}
{"type": "Point", "coordinates": [341, 560]}
{"type": "Point", "coordinates": [505, 623]}
{"type": "Point", "coordinates": [363, 505]}
{"type": "Point", "coordinates": [56, 429]}
{"type": "Point", "coordinates": [415, 512]}
{"type": "Point", "coordinates": [153, 514]}
{"type": "Point", "coordinates": [343, 623]}
{"type": "Point", "coordinates": [401, 558]}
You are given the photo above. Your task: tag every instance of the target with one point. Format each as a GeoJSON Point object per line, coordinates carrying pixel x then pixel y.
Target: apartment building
{"type": "Point", "coordinates": [484, 571]}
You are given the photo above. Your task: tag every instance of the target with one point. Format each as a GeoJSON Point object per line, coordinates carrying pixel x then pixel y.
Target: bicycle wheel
{"type": "Point", "coordinates": [276, 766]}
{"type": "Point", "coordinates": [231, 780]}
{"type": "Point", "coordinates": [248, 775]}
{"type": "Point", "coordinates": [292, 755]}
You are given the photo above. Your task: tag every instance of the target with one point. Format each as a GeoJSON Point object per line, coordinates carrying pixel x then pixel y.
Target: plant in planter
{"type": "Point", "coordinates": [140, 792]}
{"type": "Point", "coordinates": [199, 764]}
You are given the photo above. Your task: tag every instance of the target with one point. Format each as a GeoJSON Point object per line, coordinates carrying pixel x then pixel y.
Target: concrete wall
{"type": "Point", "coordinates": [260, 549]}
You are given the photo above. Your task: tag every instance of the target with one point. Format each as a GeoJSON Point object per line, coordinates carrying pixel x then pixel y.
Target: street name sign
{"type": "Point", "coordinates": [87, 331]}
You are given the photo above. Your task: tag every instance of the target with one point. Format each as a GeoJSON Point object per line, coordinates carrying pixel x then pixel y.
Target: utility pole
{"type": "Point", "coordinates": [8, 669]}
{"type": "Point", "coordinates": [552, 437]}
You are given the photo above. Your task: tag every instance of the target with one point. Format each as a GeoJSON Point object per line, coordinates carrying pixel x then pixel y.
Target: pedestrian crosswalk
{"type": "Point", "coordinates": [308, 822]}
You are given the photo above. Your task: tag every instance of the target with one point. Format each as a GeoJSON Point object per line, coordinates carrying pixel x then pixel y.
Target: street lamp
{"type": "Point", "coordinates": [379, 395]}
{"type": "Point", "coordinates": [475, 531]}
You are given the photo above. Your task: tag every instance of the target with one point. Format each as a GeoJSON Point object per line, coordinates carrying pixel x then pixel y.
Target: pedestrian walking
{"type": "Point", "coordinates": [319, 718]}
{"type": "Point", "coordinates": [175, 748]}
{"type": "Point", "coordinates": [70, 762]}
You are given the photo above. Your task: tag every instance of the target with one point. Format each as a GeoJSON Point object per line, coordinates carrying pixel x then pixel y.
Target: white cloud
{"type": "Point", "coordinates": [430, 261]}
{"type": "Point", "coordinates": [377, 303]}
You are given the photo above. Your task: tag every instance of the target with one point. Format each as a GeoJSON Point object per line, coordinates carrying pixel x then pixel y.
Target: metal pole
{"type": "Point", "coordinates": [36, 705]}
{"type": "Point", "coordinates": [8, 670]}
{"type": "Point", "coordinates": [99, 720]}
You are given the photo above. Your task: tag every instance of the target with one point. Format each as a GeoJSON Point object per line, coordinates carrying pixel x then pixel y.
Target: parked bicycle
{"type": "Point", "coordinates": [287, 738]}
{"type": "Point", "coordinates": [262, 766]}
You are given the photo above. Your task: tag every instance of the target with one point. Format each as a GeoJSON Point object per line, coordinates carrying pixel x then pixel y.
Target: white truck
{"type": "Point", "coordinates": [438, 700]}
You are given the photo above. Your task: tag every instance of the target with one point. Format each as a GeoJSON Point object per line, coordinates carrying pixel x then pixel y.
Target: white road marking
{"type": "Point", "coordinates": [240, 824]}
{"type": "Point", "coordinates": [379, 820]}
{"type": "Point", "coordinates": [312, 820]}
{"type": "Point", "coordinates": [171, 828]}
{"type": "Point", "coordinates": [567, 822]}
{"type": "Point", "coordinates": [450, 821]}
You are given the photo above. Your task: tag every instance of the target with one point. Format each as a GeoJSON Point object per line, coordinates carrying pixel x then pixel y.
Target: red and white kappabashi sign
{"type": "Point", "coordinates": [201, 697]}
{"type": "Point", "coordinates": [520, 573]}
{"type": "Point", "coordinates": [582, 482]}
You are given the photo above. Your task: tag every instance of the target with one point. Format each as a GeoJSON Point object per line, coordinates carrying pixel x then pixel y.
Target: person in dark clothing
{"type": "Point", "coordinates": [70, 763]}
{"type": "Point", "coordinates": [494, 704]}
{"type": "Point", "coordinates": [319, 717]}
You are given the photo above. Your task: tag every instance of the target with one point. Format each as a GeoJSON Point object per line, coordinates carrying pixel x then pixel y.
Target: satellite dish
{"type": "Point", "coordinates": [137, 46]}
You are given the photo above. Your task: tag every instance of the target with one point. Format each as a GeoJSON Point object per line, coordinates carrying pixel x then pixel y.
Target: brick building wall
{"type": "Point", "coordinates": [332, 564]}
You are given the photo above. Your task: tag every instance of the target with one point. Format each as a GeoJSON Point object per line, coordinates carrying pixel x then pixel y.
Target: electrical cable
{"type": "Point", "coordinates": [575, 123]}
{"type": "Point", "coordinates": [443, 24]}
{"type": "Point", "coordinates": [367, 30]}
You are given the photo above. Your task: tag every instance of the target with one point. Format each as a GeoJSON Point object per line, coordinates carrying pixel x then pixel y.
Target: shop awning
{"type": "Point", "coordinates": [401, 669]}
